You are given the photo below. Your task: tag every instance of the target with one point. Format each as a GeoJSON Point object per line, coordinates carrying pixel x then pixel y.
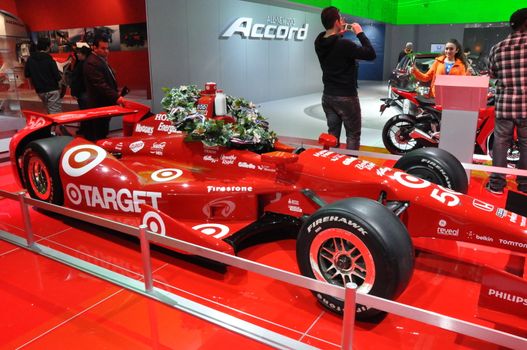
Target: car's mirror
{"type": "Point", "coordinates": [327, 140]}
{"type": "Point", "coordinates": [279, 157]}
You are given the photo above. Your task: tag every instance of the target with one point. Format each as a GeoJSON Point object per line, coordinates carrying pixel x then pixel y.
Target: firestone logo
{"type": "Point", "coordinates": [229, 189]}
{"type": "Point", "coordinates": [244, 26]}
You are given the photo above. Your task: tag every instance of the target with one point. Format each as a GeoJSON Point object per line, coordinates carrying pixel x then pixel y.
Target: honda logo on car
{"type": "Point", "coordinates": [124, 199]}
{"type": "Point", "coordinates": [244, 26]}
{"type": "Point", "coordinates": [335, 218]}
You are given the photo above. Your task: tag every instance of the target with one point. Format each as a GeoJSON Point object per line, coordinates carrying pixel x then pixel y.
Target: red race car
{"type": "Point", "coordinates": [354, 221]}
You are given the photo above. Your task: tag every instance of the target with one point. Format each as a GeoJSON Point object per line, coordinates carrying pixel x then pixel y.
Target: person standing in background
{"type": "Point", "coordinates": [45, 76]}
{"type": "Point", "coordinates": [453, 62]}
{"type": "Point", "coordinates": [408, 49]}
{"type": "Point", "coordinates": [337, 57]}
{"type": "Point", "coordinates": [508, 64]}
{"type": "Point", "coordinates": [78, 88]}
{"type": "Point", "coordinates": [101, 89]}
{"type": "Point", "coordinates": [468, 58]}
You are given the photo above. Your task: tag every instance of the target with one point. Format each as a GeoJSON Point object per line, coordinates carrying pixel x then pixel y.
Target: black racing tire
{"type": "Point", "coordinates": [356, 240]}
{"type": "Point", "coordinates": [41, 168]}
{"type": "Point", "coordinates": [395, 134]}
{"type": "Point", "coordinates": [435, 165]}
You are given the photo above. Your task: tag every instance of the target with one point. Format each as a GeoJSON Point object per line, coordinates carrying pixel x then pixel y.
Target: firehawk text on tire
{"type": "Point", "coordinates": [356, 240]}
{"type": "Point", "coordinates": [41, 169]}
{"type": "Point", "coordinates": [437, 166]}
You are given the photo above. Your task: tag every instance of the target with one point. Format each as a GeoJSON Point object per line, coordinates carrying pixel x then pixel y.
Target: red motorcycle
{"type": "Point", "coordinates": [405, 132]}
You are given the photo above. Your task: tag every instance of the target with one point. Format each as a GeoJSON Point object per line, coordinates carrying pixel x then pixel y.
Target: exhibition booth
{"type": "Point", "coordinates": [219, 214]}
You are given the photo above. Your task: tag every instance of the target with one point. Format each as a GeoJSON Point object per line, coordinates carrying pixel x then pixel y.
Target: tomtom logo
{"type": "Point", "coordinates": [244, 26]}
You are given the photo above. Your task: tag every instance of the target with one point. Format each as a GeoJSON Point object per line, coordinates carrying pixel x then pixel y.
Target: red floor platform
{"type": "Point", "coordinates": [47, 305]}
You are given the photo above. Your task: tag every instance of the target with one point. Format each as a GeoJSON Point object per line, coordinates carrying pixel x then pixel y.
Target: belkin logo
{"type": "Point", "coordinates": [244, 26]}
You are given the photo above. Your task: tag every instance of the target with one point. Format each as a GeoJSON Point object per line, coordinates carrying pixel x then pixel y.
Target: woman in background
{"type": "Point", "coordinates": [453, 62]}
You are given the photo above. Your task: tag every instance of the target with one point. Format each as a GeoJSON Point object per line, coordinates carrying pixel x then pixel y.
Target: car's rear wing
{"type": "Point", "coordinates": [76, 116]}
{"type": "Point", "coordinates": [131, 113]}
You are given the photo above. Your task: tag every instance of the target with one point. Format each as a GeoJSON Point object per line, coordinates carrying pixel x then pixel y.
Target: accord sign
{"type": "Point", "coordinates": [244, 26]}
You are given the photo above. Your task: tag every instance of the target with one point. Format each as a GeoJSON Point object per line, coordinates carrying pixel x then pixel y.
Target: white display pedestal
{"type": "Point", "coordinates": [458, 133]}
{"type": "Point", "coordinates": [461, 98]}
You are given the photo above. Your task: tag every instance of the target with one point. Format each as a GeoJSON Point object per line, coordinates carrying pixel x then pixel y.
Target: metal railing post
{"type": "Point", "coordinates": [27, 222]}
{"type": "Point", "coordinates": [349, 316]}
{"type": "Point", "coordinates": [145, 254]}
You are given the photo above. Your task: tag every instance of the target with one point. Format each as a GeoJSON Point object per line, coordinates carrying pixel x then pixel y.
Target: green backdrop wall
{"type": "Point", "coordinates": [425, 11]}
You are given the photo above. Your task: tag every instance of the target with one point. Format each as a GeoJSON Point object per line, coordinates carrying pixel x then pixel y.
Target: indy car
{"type": "Point", "coordinates": [353, 220]}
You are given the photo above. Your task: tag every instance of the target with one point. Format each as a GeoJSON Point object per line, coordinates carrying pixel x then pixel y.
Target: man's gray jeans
{"type": "Point", "coordinates": [52, 101]}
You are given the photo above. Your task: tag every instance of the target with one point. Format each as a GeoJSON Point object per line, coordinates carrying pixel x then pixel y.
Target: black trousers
{"type": "Point", "coordinates": [95, 129]}
{"type": "Point", "coordinates": [343, 110]}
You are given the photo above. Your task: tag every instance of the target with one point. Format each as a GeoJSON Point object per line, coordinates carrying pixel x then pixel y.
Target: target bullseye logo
{"type": "Point", "coordinates": [163, 175]}
{"type": "Point", "coordinates": [74, 194]}
{"type": "Point", "coordinates": [215, 230]}
{"type": "Point", "coordinates": [409, 180]}
{"type": "Point", "coordinates": [154, 222]}
{"type": "Point", "coordinates": [80, 159]}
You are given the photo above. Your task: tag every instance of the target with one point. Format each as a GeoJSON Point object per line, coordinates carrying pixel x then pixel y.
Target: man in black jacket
{"type": "Point", "coordinates": [337, 57]}
{"type": "Point", "coordinates": [101, 89]}
{"type": "Point", "coordinates": [45, 76]}
{"type": "Point", "coordinates": [78, 88]}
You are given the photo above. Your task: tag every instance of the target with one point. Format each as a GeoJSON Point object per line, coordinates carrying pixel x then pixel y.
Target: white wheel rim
{"type": "Point", "coordinates": [338, 256]}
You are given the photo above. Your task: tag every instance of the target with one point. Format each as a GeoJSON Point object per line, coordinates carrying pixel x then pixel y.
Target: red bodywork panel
{"type": "Point", "coordinates": [205, 195]}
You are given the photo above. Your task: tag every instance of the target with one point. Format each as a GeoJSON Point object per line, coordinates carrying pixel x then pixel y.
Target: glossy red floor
{"type": "Point", "coordinates": [46, 305]}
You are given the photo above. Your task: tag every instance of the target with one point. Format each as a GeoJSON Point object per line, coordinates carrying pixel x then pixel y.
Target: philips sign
{"type": "Point", "coordinates": [244, 26]}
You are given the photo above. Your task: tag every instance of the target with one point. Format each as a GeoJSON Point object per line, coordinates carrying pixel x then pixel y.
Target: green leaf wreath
{"type": "Point", "coordinates": [250, 131]}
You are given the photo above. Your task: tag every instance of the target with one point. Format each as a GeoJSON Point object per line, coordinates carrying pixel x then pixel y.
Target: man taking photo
{"type": "Point", "coordinates": [337, 57]}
